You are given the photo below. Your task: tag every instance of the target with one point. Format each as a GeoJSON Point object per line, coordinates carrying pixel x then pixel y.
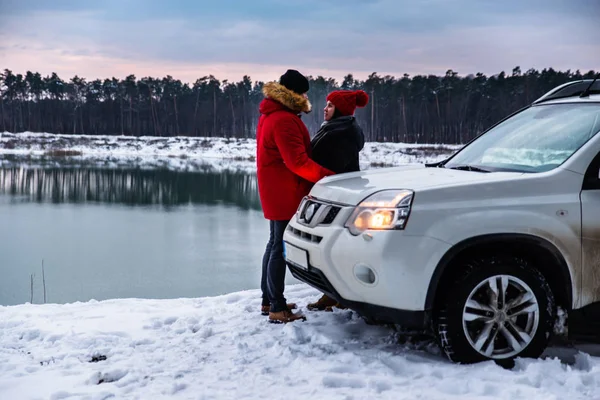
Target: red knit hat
{"type": "Point", "coordinates": [346, 101]}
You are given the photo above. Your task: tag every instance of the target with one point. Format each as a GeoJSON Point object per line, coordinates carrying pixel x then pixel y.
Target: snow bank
{"type": "Point", "coordinates": [182, 152]}
{"type": "Point", "coordinates": [222, 348]}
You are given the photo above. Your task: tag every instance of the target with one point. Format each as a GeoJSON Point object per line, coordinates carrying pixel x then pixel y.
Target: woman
{"type": "Point", "coordinates": [336, 146]}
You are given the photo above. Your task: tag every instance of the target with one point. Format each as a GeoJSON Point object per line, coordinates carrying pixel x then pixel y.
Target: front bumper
{"type": "Point", "coordinates": [402, 267]}
{"type": "Point", "coordinates": [417, 320]}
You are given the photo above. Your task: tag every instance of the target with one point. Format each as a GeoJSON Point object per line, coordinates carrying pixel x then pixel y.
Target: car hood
{"type": "Point", "coordinates": [352, 188]}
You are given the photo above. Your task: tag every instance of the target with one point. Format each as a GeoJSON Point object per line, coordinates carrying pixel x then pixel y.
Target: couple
{"type": "Point", "coordinates": [289, 163]}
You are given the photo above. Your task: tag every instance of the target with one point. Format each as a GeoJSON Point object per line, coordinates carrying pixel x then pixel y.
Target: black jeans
{"type": "Point", "coordinates": [273, 269]}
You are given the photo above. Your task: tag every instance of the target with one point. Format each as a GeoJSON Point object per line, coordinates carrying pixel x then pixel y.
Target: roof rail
{"type": "Point", "coordinates": [571, 89]}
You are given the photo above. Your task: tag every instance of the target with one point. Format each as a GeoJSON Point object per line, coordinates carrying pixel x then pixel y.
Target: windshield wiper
{"type": "Point", "coordinates": [469, 168]}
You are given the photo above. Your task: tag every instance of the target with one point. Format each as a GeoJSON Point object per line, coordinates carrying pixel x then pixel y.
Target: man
{"type": "Point", "coordinates": [285, 175]}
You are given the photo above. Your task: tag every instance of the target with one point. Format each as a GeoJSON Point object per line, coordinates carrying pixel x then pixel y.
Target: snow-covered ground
{"type": "Point", "coordinates": [222, 348]}
{"type": "Point", "coordinates": [189, 153]}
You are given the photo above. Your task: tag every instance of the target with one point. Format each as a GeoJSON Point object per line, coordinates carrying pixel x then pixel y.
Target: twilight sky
{"type": "Point", "coordinates": [262, 38]}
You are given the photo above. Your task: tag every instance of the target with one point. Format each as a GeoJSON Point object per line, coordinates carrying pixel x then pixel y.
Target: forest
{"type": "Point", "coordinates": [450, 109]}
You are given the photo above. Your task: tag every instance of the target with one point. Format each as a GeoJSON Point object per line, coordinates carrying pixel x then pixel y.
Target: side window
{"type": "Point", "coordinates": [591, 180]}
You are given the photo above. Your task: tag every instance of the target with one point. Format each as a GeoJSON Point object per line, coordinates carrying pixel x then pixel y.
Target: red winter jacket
{"type": "Point", "coordinates": [285, 171]}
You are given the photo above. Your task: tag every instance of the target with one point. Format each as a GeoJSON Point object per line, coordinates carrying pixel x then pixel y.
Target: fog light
{"type": "Point", "coordinates": [365, 274]}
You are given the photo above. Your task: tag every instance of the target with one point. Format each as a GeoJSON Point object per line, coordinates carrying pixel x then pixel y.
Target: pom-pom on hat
{"type": "Point", "coordinates": [346, 101]}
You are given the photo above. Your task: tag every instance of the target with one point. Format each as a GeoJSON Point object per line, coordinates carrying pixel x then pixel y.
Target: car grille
{"type": "Point", "coordinates": [305, 235]}
{"type": "Point", "coordinates": [321, 214]}
{"type": "Point", "coordinates": [330, 217]}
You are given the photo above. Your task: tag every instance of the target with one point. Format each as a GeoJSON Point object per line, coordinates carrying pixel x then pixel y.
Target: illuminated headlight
{"type": "Point", "coordinates": [385, 210]}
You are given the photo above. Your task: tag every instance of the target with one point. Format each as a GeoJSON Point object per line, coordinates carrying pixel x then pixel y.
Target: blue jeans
{"type": "Point", "coordinates": [273, 269]}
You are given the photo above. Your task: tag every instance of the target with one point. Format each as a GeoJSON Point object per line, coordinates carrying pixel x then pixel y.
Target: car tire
{"type": "Point", "coordinates": [474, 322]}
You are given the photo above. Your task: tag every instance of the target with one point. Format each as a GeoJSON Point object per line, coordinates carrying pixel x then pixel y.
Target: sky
{"type": "Point", "coordinates": [189, 39]}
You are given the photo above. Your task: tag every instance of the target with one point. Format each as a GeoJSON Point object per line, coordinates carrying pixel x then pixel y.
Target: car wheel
{"type": "Point", "coordinates": [499, 308]}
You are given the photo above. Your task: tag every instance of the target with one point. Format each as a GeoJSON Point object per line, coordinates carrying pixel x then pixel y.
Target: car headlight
{"type": "Point", "coordinates": [385, 210]}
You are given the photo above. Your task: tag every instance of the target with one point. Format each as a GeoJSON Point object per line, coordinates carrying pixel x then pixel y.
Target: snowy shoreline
{"type": "Point", "coordinates": [187, 152]}
{"type": "Point", "coordinates": [222, 348]}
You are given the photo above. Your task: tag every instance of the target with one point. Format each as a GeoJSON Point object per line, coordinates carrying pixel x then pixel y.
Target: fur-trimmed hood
{"type": "Point", "coordinates": [289, 99]}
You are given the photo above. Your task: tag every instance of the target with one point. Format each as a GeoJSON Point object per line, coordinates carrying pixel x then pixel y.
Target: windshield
{"type": "Point", "coordinates": [535, 140]}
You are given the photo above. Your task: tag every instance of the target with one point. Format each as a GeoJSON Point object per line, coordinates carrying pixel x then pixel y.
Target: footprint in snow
{"type": "Point", "coordinates": [343, 369]}
{"type": "Point", "coordinates": [297, 333]}
{"type": "Point", "coordinates": [156, 324]}
{"type": "Point", "coordinates": [108, 377]}
{"type": "Point", "coordinates": [54, 338]}
{"type": "Point", "coordinates": [61, 395]}
{"type": "Point", "coordinates": [233, 298]}
{"type": "Point", "coordinates": [331, 381]}
{"type": "Point", "coordinates": [177, 387]}
{"type": "Point", "coordinates": [143, 342]}
{"type": "Point", "coordinates": [31, 335]}
{"type": "Point", "coordinates": [206, 333]}
{"type": "Point", "coordinates": [380, 386]}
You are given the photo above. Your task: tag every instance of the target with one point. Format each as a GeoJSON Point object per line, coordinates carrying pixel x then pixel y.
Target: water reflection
{"type": "Point", "coordinates": [128, 185]}
{"type": "Point", "coordinates": [127, 228]}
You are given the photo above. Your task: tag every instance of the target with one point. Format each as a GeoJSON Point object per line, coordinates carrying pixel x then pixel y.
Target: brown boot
{"type": "Point", "coordinates": [285, 316]}
{"type": "Point", "coordinates": [325, 303]}
{"type": "Point", "coordinates": [264, 310]}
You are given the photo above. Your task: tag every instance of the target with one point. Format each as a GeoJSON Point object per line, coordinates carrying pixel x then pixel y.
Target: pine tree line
{"type": "Point", "coordinates": [421, 109]}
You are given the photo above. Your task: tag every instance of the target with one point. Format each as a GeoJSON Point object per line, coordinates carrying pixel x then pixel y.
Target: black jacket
{"type": "Point", "coordinates": [337, 144]}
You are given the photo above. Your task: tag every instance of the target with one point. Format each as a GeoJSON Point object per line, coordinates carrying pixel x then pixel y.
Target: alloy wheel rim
{"type": "Point", "coordinates": [501, 317]}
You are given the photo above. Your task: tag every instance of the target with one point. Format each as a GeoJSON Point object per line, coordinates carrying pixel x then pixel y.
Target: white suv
{"type": "Point", "coordinates": [480, 249]}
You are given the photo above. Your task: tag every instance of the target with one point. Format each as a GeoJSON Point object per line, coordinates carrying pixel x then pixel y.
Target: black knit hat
{"type": "Point", "coordinates": [294, 81]}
